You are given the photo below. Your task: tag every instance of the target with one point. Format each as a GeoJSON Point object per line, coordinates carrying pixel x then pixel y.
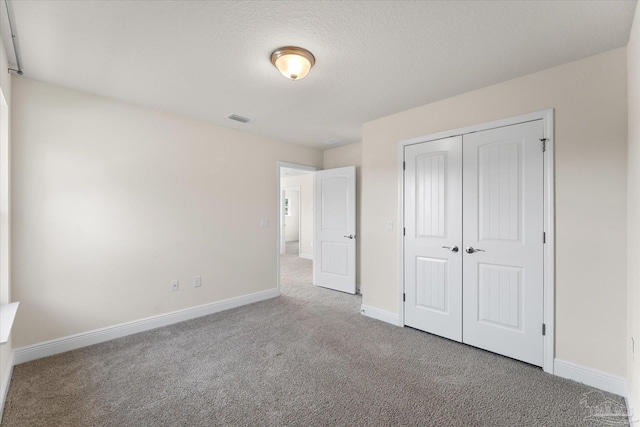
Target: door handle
{"type": "Point", "coordinates": [471, 250]}
{"type": "Point", "coordinates": [351, 236]}
{"type": "Point", "coordinates": [453, 249]}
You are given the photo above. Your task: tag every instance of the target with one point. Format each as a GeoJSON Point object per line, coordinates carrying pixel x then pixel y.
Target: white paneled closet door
{"type": "Point", "coordinates": [503, 197]}
{"type": "Point", "coordinates": [473, 245]}
{"type": "Point", "coordinates": [433, 235]}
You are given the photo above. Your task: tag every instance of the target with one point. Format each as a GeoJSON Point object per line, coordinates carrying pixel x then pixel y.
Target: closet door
{"type": "Point", "coordinates": [433, 235]}
{"type": "Point", "coordinates": [503, 241]}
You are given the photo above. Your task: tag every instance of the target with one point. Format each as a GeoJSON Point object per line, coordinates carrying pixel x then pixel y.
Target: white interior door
{"type": "Point", "coordinates": [334, 263]}
{"type": "Point", "coordinates": [433, 236]}
{"type": "Point", "coordinates": [503, 240]}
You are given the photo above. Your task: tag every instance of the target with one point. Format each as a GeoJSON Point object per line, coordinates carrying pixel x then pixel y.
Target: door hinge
{"type": "Point", "coordinates": [404, 165]}
{"type": "Point", "coordinates": [544, 237]}
{"type": "Point", "coordinates": [404, 231]}
{"type": "Point", "coordinates": [544, 144]}
{"type": "Point", "coordinates": [404, 297]}
{"type": "Point", "coordinates": [544, 329]}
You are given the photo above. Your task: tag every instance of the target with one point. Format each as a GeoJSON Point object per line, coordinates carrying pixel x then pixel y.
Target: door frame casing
{"type": "Point", "coordinates": [547, 117]}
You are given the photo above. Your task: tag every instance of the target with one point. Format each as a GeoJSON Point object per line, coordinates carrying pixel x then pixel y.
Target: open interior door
{"type": "Point", "coordinates": [334, 263]}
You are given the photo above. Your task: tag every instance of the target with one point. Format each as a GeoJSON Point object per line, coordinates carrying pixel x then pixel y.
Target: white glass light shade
{"type": "Point", "coordinates": [293, 62]}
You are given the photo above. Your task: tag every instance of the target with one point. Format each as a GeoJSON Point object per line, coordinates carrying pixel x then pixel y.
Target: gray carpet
{"type": "Point", "coordinates": [307, 358]}
{"type": "Point", "coordinates": [293, 269]}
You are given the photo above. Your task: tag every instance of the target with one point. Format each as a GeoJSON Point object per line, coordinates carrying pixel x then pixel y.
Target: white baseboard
{"type": "Point", "coordinates": [4, 387]}
{"type": "Point", "coordinates": [306, 256]}
{"type": "Point", "coordinates": [378, 314]}
{"type": "Point", "coordinates": [72, 342]}
{"type": "Point", "coordinates": [592, 377]}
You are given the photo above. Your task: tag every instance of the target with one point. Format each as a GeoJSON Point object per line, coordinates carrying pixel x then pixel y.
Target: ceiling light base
{"type": "Point", "coordinates": [293, 62]}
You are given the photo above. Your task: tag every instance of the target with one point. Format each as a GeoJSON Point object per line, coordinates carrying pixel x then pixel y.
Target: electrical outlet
{"type": "Point", "coordinates": [174, 285]}
{"type": "Point", "coordinates": [197, 281]}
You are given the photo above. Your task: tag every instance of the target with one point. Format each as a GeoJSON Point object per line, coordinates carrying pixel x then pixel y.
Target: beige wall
{"type": "Point", "coordinates": [5, 291]}
{"type": "Point", "coordinates": [112, 201]}
{"type": "Point", "coordinates": [589, 97]}
{"type": "Point", "coordinates": [305, 182]}
{"type": "Point", "coordinates": [350, 155]}
{"type": "Point", "coordinates": [633, 211]}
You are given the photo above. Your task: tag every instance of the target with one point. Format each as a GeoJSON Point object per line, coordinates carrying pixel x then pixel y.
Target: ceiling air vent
{"type": "Point", "coordinates": [239, 118]}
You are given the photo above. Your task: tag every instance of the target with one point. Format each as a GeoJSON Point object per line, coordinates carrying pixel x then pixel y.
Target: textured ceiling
{"type": "Point", "coordinates": [207, 59]}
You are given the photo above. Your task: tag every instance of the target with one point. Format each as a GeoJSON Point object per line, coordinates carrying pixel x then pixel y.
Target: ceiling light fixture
{"type": "Point", "coordinates": [293, 62]}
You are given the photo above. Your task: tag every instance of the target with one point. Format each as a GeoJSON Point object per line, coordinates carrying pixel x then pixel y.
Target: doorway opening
{"type": "Point", "coordinates": [324, 201]}
{"type": "Point", "coordinates": [295, 225]}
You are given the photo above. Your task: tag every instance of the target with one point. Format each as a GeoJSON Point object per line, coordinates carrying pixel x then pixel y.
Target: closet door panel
{"type": "Point", "coordinates": [503, 241]}
{"type": "Point", "coordinates": [433, 222]}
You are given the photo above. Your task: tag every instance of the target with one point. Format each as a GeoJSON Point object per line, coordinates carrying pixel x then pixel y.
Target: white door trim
{"type": "Point", "coordinates": [279, 165]}
{"type": "Point", "coordinates": [547, 117]}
